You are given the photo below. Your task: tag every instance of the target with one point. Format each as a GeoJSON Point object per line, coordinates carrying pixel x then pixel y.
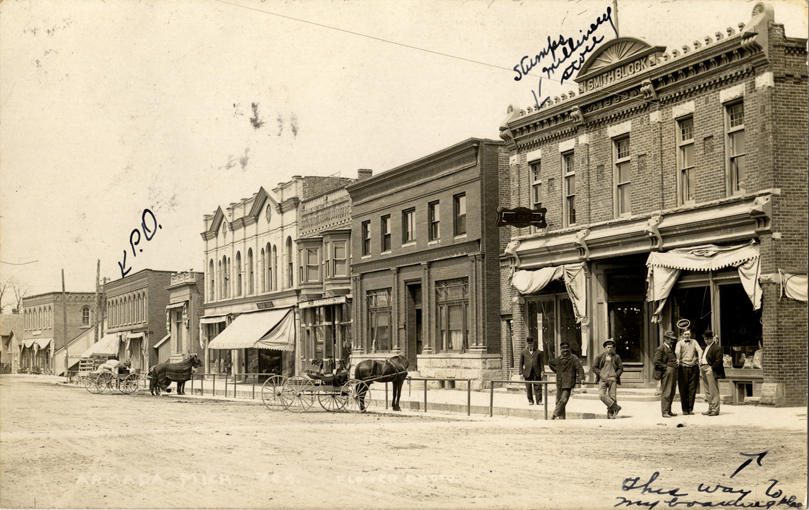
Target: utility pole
{"type": "Point", "coordinates": [64, 323]}
{"type": "Point", "coordinates": [615, 17]}
{"type": "Point", "coordinates": [95, 326]}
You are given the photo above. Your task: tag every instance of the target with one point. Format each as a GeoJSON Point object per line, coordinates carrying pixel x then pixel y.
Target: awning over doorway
{"type": "Point", "coordinates": [165, 339]}
{"type": "Point", "coordinates": [664, 269]}
{"type": "Point", "coordinates": [273, 329]}
{"type": "Point", "coordinates": [529, 282]}
{"type": "Point", "coordinates": [107, 346]}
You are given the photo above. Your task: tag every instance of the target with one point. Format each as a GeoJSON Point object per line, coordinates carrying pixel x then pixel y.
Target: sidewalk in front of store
{"type": "Point", "coordinates": [583, 405]}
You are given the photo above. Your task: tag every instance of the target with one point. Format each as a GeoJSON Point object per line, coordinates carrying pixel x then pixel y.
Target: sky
{"type": "Point", "coordinates": [108, 108]}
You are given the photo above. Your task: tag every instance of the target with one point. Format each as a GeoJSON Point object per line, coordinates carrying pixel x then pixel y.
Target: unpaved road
{"type": "Point", "coordinates": [61, 447]}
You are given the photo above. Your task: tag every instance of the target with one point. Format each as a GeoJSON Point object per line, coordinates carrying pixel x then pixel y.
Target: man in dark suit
{"type": "Point", "coordinates": [569, 373]}
{"type": "Point", "coordinates": [665, 362]}
{"type": "Point", "coordinates": [531, 368]}
{"type": "Point", "coordinates": [711, 370]}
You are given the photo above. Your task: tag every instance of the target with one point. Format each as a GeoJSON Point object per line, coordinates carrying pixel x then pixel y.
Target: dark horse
{"type": "Point", "coordinates": [160, 376]}
{"type": "Point", "coordinates": [391, 370]}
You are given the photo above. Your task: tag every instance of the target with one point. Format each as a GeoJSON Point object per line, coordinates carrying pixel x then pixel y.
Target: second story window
{"type": "Point", "coordinates": [435, 221]}
{"type": "Point", "coordinates": [366, 237]}
{"type": "Point", "coordinates": [85, 316]}
{"type": "Point", "coordinates": [685, 161]}
{"type": "Point", "coordinates": [569, 173]}
{"type": "Point", "coordinates": [623, 180]}
{"type": "Point", "coordinates": [536, 186]}
{"type": "Point", "coordinates": [310, 265]}
{"type": "Point", "coordinates": [408, 226]}
{"type": "Point", "coordinates": [340, 259]}
{"type": "Point", "coordinates": [735, 140]}
{"type": "Point", "coordinates": [385, 233]}
{"type": "Point", "coordinates": [459, 207]}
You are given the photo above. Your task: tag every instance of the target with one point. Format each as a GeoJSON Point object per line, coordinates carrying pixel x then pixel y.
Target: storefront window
{"type": "Point", "coordinates": [741, 330]}
{"type": "Point", "coordinates": [452, 300]}
{"type": "Point", "coordinates": [551, 321]}
{"type": "Point", "coordinates": [626, 330]}
{"type": "Point", "coordinates": [379, 320]}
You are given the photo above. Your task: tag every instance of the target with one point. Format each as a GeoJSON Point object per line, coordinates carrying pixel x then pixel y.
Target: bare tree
{"type": "Point", "coordinates": [21, 290]}
{"type": "Point", "coordinates": [4, 285]}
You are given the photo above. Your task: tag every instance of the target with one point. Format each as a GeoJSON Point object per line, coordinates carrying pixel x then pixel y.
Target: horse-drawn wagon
{"type": "Point", "coordinates": [104, 380]}
{"type": "Point", "coordinates": [332, 387]}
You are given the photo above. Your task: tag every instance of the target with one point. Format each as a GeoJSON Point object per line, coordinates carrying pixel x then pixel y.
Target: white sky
{"type": "Point", "coordinates": [110, 107]}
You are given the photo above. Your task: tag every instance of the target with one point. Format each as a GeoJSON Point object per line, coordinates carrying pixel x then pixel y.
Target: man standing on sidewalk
{"type": "Point", "coordinates": [688, 353]}
{"type": "Point", "coordinates": [711, 370]}
{"type": "Point", "coordinates": [531, 368]}
{"type": "Point", "coordinates": [608, 369]}
{"type": "Point", "coordinates": [568, 373]}
{"type": "Point", "coordinates": [665, 362]}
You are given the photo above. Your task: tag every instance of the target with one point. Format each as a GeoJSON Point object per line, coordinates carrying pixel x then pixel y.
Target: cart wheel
{"type": "Point", "coordinates": [271, 393]}
{"type": "Point", "coordinates": [130, 384]}
{"type": "Point", "coordinates": [105, 382]}
{"type": "Point", "coordinates": [298, 394]}
{"type": "Point", "coordinates": [358, 396]}
{"type": "Point", "coordinates": [90, 382]}
{"type": "Point", "coordinates": [332, 401]}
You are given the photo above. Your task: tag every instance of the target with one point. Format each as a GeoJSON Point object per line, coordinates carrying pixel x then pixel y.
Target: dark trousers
{"type": "Point", "coordinates": [562, 396]}
{"type": "Point", "coordinates": [688, 381]}
{"type": "Point", "coordinates": [534, 390]}
{"type": "Point", "coordinates": [668, 386]}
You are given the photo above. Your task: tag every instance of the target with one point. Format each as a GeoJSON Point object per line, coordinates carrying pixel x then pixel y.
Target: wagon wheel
{"type": "Point", "coordinates": [358, 396]}
{"type": "Point", "coordinates": [130, 384]}
{"type": "Point", "coordinates": [271, 393]}
{"type": "Point", "coordinates": [298, 394]}
{"type": "Point", "coordinates": [104, 382]}
{"type": "Point", "coordinates": [90, 382]}
{"type": "Point", "coordinates": [332, 401]}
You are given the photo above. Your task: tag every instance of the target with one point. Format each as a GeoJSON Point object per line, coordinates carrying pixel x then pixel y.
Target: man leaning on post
{"type": "Point", "coordinates": [531, 368]}
{"type": "Point", "coordinates": [665, 362]}
{"type": "Point", "coordinates": [569, 373]}
{"type": "Point", "coordinates": [608, 369]}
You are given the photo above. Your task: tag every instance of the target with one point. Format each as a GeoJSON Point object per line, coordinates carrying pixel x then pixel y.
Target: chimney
{"type": "Point", "coordinates": [364, 173]}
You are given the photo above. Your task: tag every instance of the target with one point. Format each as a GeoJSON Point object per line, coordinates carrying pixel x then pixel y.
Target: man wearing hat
{"type": "Point", "coordinates": [608, 369]}
{"type": "Point", "coordinates": [568, 373]}
{"type": "Point", "coordinates": [688, 353]}
{"type": "Point", "coordinates": [665, 362]}
{"type": "Point", "coordinates": [711, 370]}
{"type": "Point", "coordinates": [531, 368]}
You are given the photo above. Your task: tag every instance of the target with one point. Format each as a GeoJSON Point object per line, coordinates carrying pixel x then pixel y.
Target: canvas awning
{"type": "Point", "coordinates": [664, 269]}
{"type": "Point", "coordinates": [213, 320]}
{"type": "Point", "coordinates": [273, 329]}
{"type": "Point", "coordinates": [107, 346]}
{"type": "Point", "coordinates": [165, 339]}
{"type": "Point", "coordinates": [27, 344]}
{"type": "Point", "coordinates": [529, 282]}
{"type": "Point", "coordinates": [43, 342]}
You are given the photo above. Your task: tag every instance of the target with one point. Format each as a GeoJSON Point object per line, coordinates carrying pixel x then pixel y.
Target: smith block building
{"type": "Point", "coordinates": [675, 183]}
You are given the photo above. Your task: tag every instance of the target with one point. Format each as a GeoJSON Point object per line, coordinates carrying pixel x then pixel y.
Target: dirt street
{"type": "Point", "coordinates": [62, 447]}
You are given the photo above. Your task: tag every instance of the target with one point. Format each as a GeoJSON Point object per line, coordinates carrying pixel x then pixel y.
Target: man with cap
{"type": "Point", "coordinates": [531, 368]}
{"type": "Point", "coordinates": [688, 353]}
{"type": "Point", "coordinates": [608, 369]}
{"type": "Point", "coordinates": [568, 374]}
{"type": "Point", "coordinates": [665, 362]}
{"type": "Point", "coordinates": [711, 370]}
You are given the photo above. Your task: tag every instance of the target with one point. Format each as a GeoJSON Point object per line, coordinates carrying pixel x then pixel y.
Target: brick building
{"type": "Point", "coordinates": [324, 257]}
{"type": "Point", "coordinates": [425, 262]}
{"type": "Point", "coordinates": [182, 317]}
{"type": "Point", "coordinates": [684, 171]}
{"type": "Point", "coordinates": [136, 314]}
{"type": "Point", "coordinates": [44, 331]}
{"type": "Point", "coordinates": [251, 279]}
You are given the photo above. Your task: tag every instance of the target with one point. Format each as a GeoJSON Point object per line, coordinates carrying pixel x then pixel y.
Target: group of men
{"type": "Point", "coordinates": [567, 368]}
{"type": "Point", "coordinates": [686, 363]}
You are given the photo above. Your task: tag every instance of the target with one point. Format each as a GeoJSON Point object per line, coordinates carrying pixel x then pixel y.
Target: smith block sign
{"type": "Point", "coordinates": [521, 217]}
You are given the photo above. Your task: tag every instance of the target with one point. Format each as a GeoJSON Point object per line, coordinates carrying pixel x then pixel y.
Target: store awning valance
{"type": "Point", "coordinates": [44, 342]}
{"type": "Point", "coordinates": [107, 346]}
{"type": "Point", "coordinates": [262, 330]}
{"type": "Point", "coordinates": [529, 282]}
{"type": "Point", "coordinates": [664, 269]}
{"type": "Point", "coordinates": [213, 320]}
{"type": "Point", "coordinates": [27, 344]}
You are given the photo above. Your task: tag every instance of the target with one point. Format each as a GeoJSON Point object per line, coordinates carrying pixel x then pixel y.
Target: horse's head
{"type": "Point", "coordinates": [195, 361]}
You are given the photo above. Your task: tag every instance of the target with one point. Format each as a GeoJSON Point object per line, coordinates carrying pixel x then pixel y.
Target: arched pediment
{"type": "Point", "coordinates": [614, 53]}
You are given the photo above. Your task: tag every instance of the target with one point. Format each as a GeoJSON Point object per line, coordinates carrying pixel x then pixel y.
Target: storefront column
{"type": "Point", "coordinates": [476, 302]}
{"type": "Point", "coordinates": [359, 332]}
{"type": "Point", "coordinates": [394, 327]}
{"type": "Point", "coordinates": [426, 310]}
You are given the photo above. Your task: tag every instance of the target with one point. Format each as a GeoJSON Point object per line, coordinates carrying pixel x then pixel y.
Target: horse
{"type": "Point", "coordinates": [160, 376]}
{"type": "Point", "coordinates": [391, 370]}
